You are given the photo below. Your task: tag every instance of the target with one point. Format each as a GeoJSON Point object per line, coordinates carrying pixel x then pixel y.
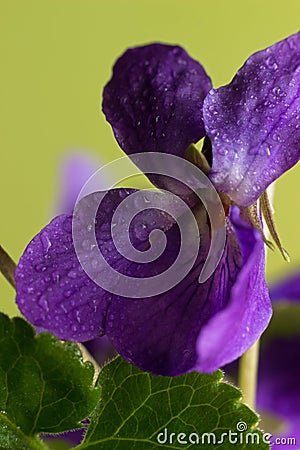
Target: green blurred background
{"type": "Point", "coordinates": [56, 56]}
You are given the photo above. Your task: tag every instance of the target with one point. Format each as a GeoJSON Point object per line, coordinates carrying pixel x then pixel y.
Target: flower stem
{"type": "Point", "coordinates": [248, 367]}
{"type": "Point", "coordinates": [7, 267]}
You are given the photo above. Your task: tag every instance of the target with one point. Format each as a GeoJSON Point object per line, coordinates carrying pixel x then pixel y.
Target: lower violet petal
{"type": "Point", "coordinates": [54, 292]}
{"type": "Point", "coordinates": [159, 334]}
{"type": "Point", "coordinates": [231, 332]}
{"type": "Point", "coordinates": [179, 329]}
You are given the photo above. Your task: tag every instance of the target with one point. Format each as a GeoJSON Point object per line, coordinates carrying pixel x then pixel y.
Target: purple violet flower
{"type": "Point", "coordinates": [160, 99]}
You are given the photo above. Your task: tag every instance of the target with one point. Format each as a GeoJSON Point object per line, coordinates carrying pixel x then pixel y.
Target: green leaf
{"type": "Point", "coordinates": [44, 384]}
{"type": "Point", "coordinates": [11, 437]}
{"type": "Point", "coordinates": [135, 407]}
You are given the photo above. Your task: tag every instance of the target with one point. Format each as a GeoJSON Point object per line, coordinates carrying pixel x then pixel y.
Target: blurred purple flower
{"type": "Point", "coordinates": [75, 168]}
{"type": "Point", "coordinates": [287, 289]}
{"type": "Point", "coordinates": [160, 99]}
{"type": "Point", "coordinates": [278, 393]}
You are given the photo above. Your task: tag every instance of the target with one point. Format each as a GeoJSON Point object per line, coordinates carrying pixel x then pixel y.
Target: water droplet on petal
{"type": "Point", "coordinates": [43, 302]}
{"type": "Point", "coordinates": [46, 243]}
{"type": "Point", "coordinates": [40, 267]}
{"type": "Point", "coordinates": [72, 274]}
{"type": "Point", "coordinates": [68, 293]}
{"type": "Point", "coordinates": [254, 120]}
{"type": "Point", "coordinates": [222, 151]}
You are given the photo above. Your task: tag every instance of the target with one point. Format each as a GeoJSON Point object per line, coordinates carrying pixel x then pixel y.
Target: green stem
{"type": "Point", "coordinates": [248, 374]}
{"type": "Point", "coordinates": [7, 267]}
{"type": "Point", "coordinates": [248, 366]}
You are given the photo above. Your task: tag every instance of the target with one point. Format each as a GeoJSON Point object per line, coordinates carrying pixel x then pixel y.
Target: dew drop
{"type": "Point", "coordinates": [55, 277]}
{"type": "Point", "coordinates": [254, 121]}
{"type": "Point", "coordinates": [276, 137]}
{"type": "Point", "coordinates": [40, 268]}
{"type": "Point", "coordinates": [45, 240]}
{"type": "Point", "coordinates": [64, 308]}
{"type": "Point", "coordinates": [68, 293]}
{"type": "Point", "coordinates": [222, 151]}
{"type": "Point", "coordinates": [271, 63]}
{"type": "Point", "coordinates": [72, 274]}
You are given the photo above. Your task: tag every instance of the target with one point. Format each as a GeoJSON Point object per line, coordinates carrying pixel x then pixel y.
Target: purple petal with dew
{"type": "Point", "coordinates": [248, 311]}
{"type": "Point", "coordinates": [254, 122]}
{"type": "Point", "coordinates": [54, 292]}
{"type": "Point", "coordinates": [154, 99]}
{"type": "Point", "coordinates": [159, 334]}
{"type": "Point", "coordinates": [286, 289]}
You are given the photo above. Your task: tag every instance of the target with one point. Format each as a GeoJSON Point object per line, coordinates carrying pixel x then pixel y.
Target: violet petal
{"type": "Point", "coordinates": [254, 122]}
{"type": "Point", "coordinates": [159, 334]}
{"type": "Point", "coordinates": [53, 291]}
{"type": "Point", "coordinates": [231, 332]}
{"type": "Point", "coordinates": [154, 99]}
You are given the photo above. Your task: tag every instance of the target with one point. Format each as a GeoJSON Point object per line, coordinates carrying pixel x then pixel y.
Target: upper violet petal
{"type": "Point", "coordinates": [154, 99]}
{"type": "Point", "coordinates": [231, 332]}
{"type": "Point", "coordinates": [254, 122]}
